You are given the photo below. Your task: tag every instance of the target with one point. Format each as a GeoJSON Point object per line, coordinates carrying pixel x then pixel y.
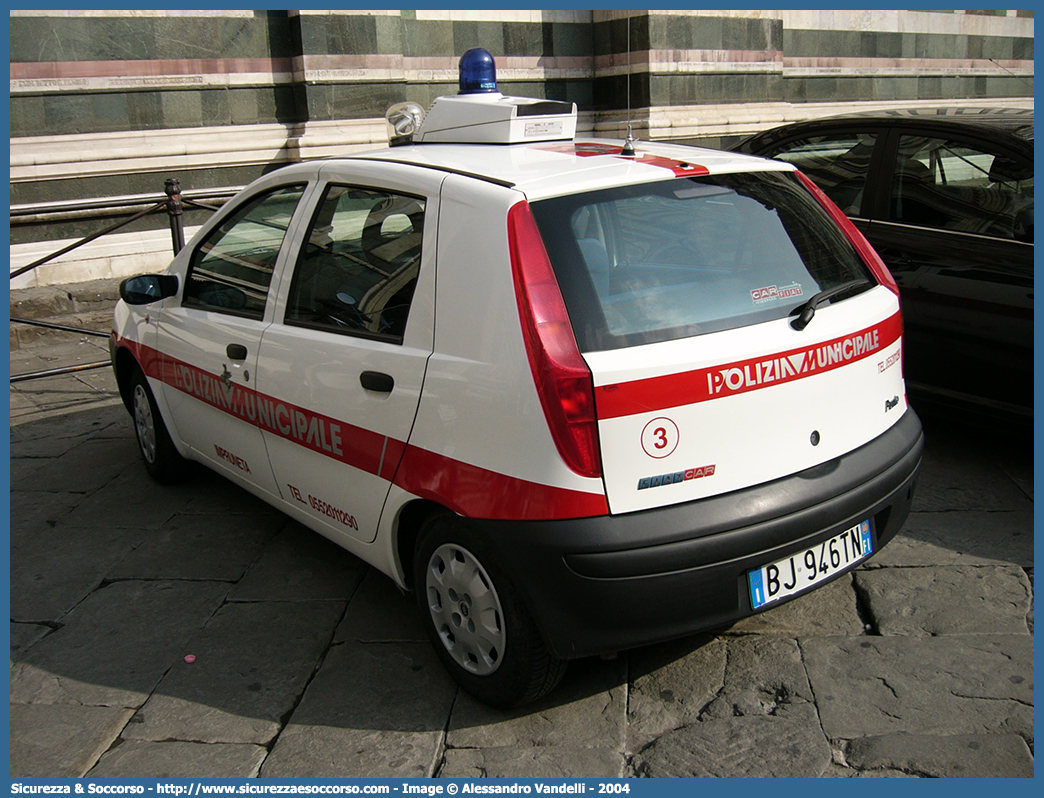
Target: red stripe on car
{"type": "Point", "coordinates": [479, 493]}
{"type": "Point", "coordinates": [587, 149]}
{"type": "Point", "coordinates": [728, 379]}
{"type": "Point", "coordinates": [463, 488]}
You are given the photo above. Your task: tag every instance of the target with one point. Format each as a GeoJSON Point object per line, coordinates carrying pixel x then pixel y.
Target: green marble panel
{"type": "Point", "coordinates": [705, 32]}
{"type": "Point", "coordinates": [215, 108]}
{"type": "Point", "coordinates": [523, 39]}
{"type": "Point", "coordinates": [428, 37]}
{"type": "Point", "coordinates": [888, 45]}
{"type": "Point", "coordinates": [352, 101]}
{"type": "Point", "coordinates": [389, 35]}
{"type": "Point", "coordinates": [1022, 48]}
{"type": "Point", "coordinates": [181, 108]}
{"type": "Point", "coordinates": [570, 39]}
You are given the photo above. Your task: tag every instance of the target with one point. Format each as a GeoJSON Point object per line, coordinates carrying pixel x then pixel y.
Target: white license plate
{"type": "Point", "coordinates": [802, 570]}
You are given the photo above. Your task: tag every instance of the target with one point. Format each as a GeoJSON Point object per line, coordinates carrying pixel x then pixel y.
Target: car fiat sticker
{"type": "Point", "coordinates": [761, 295]}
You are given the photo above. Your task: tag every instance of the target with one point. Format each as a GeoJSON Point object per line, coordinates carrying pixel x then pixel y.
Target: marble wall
{"type": "Point", "coordinates": [110, 103]}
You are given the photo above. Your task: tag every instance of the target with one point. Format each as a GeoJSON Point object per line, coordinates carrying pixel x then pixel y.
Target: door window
{"type": "Point", "coordinates": [838, 164]}
{"type": "Point", "coordinates": [358, 269]}
{"type": "Point", "coordinates": [954, 186]}
{"type": "Point", "coordinates": [231, 270]}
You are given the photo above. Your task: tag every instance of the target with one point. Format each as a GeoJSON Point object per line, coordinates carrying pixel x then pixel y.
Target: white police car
{"type": "Point", "coordinates": [577, 398]}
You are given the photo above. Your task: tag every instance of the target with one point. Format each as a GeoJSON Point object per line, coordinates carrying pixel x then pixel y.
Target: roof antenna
{"type": "Point", "coordinates": [628, 146]}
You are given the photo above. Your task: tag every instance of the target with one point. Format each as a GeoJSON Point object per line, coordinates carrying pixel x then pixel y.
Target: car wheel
{"type": "Point", "coordinates": [478, 624]}
{"type": "Point", "coordinates": [162, 460]}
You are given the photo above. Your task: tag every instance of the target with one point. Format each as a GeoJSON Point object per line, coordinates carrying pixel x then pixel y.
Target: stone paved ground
{"type": "Point", "coordinates": [309, 663]}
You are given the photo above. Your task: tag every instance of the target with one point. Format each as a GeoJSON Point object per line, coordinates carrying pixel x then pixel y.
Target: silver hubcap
{"type": "Point", "coordinates": [465, 609]}
{"type": "Point", "coordinates": [143, 424]}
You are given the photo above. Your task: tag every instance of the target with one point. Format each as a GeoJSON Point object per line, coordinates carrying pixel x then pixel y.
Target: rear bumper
{"type": "Point", "coordinates": [615, 582]}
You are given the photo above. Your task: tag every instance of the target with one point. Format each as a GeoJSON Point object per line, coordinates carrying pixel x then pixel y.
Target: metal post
{"type": "Point", "coordinates": [174, 210]}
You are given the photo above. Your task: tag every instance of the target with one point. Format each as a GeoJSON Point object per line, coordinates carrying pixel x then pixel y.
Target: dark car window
{"type": "Point", "coordinates": [672, 259]}
{"type": "Point", "coordinates": [955, 186]}
{"type": "Point", "coordinates": [231, 269]}
{"type": "Point", "coordinates": [837, 163]}
{"type": "Point", "coordinates": [358, 268]}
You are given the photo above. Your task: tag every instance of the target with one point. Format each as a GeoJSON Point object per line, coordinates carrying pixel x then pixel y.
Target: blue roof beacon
{"type": "Point", "coordinates": [478, 72]}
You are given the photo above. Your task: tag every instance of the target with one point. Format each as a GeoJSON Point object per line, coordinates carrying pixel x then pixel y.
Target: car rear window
{"type": "Point", "coordinates": [660, 261]}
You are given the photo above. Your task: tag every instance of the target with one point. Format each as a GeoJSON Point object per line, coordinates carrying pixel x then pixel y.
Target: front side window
{"type": "Point", "coordinates": [661, 261]}
{"type": "Point", "coordinates": [358, 269]}
{"type": "Point", "coordinates": [837, 163]}
{"type": "Point", "coordinates": [954, 186]}
{"type": "Point", "coordinates": [232, 268]}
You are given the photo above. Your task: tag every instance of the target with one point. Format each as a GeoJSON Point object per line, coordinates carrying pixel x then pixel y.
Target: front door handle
{"type": "Point", "coordinates": [236, 352]}
{"type": "Point", "coordinates": [377, 381]}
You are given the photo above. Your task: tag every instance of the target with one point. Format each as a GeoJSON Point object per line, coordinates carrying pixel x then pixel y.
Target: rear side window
{"type": "Point", "coordinates": [837, 163]}
{"type": "Point", "coordinates": [954, 186]}
{"type": "Point", "coordinates": [661, 261]}
{"type": "Point", "coordinates": [358, 269]}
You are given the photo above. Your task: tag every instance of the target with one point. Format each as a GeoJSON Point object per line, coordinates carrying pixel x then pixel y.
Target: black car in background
{"type": "Point", "coordinates": [946, 198]}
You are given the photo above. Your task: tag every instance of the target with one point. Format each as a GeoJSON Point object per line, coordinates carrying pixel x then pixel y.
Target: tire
{"type": "Point", "coordinates": [162, 460]}
{"type": "Point", "coordinates": [476, 620]}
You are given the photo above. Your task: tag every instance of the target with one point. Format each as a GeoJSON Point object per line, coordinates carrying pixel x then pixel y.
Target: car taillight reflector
{"type": "Point", "coordinates": [866, 252]}
{"type": "Point", "coordinates": [562, 378]}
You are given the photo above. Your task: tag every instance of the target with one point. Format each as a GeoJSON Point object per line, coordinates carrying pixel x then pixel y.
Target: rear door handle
{"type": "Point", "coordinates": [377, 381]}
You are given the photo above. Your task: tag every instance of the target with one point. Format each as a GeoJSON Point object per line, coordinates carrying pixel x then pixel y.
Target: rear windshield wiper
{"type": "Point", "coordinates": [808, 310]}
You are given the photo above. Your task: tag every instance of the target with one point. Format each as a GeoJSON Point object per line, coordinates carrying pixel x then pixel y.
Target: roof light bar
{"type": "Point", "coordinates": [480, 114]}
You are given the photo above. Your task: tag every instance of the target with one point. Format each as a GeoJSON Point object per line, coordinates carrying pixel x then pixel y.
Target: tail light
{"type": "Point", "coordinates": [562, 378]}
{"type": "Point", "coordinates": [866, 252]}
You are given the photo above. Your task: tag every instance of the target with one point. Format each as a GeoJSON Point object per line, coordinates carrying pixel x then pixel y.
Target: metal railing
{"type": "Point", "coordinates": [173, 202]}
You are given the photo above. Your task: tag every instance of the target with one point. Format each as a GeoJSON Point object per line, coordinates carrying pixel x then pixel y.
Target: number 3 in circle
{"type": "Point", "coordinates": [660, 438]}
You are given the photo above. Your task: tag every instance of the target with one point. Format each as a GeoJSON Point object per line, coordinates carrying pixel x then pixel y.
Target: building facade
{"type": "Point", "coordinates": [109, 104]}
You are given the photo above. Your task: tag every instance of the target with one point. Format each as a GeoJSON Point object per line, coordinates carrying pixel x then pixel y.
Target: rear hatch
{"type": "Point", "coordinates": [734, 333]}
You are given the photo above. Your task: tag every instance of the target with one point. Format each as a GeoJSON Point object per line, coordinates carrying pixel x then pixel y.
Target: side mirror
{"type": "Point", "coordinates": [148, 288]}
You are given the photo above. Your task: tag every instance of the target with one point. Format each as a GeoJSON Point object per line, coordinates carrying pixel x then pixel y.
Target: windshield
{"type": "Point", "coordinates": [660, 261]}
